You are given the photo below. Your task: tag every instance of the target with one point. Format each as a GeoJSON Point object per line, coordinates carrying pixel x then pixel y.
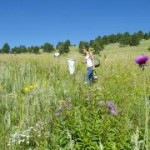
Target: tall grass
{"type": "Point", "coordinates": [42, 106]}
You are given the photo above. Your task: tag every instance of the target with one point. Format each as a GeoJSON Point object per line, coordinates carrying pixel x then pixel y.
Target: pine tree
{"type": "Point", "coordinates": [5, 48]}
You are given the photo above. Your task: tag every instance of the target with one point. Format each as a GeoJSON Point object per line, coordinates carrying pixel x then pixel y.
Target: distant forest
{"type": "Point", "coordinates": [124, 39]}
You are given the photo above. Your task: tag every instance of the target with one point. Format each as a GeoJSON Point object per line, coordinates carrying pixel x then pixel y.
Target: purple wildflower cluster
{"type": "Point", "coordinates": [110, 105]}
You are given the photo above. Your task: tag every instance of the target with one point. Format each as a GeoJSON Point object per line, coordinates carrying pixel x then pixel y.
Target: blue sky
{"type": "Point", "coordinates": [34, 22]}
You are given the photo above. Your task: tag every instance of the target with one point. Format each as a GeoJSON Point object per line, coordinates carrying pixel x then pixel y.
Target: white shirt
{"type": "Point", "coordinates": [88, 61]}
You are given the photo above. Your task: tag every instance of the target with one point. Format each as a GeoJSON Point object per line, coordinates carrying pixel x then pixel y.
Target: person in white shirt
{"type": "Point", "coordinates": [89, 59]}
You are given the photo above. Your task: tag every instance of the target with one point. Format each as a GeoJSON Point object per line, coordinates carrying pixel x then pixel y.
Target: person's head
{"type": "Point", "coordinates": [85, 49]}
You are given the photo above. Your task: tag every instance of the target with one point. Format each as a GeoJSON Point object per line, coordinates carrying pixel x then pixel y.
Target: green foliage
{"type": "Point", "coordinates": [18, 50]}
{"type": "Point", "coordinates": [35, 49]}
{"type": "Point", "coordinates": [43, 107]}
{"type": "Point", "coordinates": [24, 49]}
{"type": "Point", "coordinates": [134, 40]}
{"type": "Point", "coordinates": [146, 36]}
{"type": "Point", "coordinates": [68, 42]}
{"type": "Point", "coordinates": [97, 45]}
{"type": "Point", "coordinates": [112, 38]}
{"type": "Point", "coordinates": [96, 60]}
{"type": "Point", "coordinates": [47, 47]}
{"type": "Point", "coordinates": [5, 48]}
{"type": "Point", "coordinates": [105, 40]}
{"type": "Point", "coordinates": [140, 35]}
{"type": "Point", "coordinates": [63, 47]}
{"type": "Point", "coordinates": [125, 40]}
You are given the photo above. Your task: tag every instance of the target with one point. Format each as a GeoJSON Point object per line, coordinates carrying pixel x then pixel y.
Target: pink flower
{"type": "Point", "coordinates": [141, 59]}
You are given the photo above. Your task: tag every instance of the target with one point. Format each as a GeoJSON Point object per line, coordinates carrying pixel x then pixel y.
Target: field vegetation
{"type": "Point", "coordinates": [43, 107]}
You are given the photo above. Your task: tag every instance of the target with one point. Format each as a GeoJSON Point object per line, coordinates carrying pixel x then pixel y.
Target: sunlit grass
{"type": "Point", "coordinates": [43, 106]}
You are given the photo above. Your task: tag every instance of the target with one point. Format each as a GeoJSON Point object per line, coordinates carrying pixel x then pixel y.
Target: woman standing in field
{"type": "Point", "coordinates": [89, 60]}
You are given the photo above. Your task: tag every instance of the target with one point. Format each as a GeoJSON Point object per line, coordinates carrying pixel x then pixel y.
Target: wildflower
{"type": "Point", "coordinates": [113, 112]}
{"type": "Point", "coordinates": [141, 61]}
{"type": "Point", "coordinates": [26, 89]}
{"type": "Point", "coordinates": [32, 86]}
{"type": "Point", "coordinates": [101, 103]}
{"type": "Point", "coordinates": [110, 105]}
{"type": "Point", "coordinates": [24, 137]}
{"type": "Point", "coordinates": [112, 108]}
{"type": "Point", "coordinates": [29, 88]}
{"type": "Point", "coordinates": [135, 140]}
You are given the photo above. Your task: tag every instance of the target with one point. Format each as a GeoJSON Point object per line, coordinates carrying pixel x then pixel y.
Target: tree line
{"type": "Point", "coordinates": [124, 39]}
{"type": "Point", "coordinates": [62, 47]}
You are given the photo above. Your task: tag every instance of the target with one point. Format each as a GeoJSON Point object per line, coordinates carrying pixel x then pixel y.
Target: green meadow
{"type": "Point", "coordinates": [43, 107]}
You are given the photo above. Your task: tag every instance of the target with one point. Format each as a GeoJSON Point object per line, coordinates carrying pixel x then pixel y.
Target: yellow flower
{"type": "Point", "coordinates": [29, 87]}
{"type": "Point", "coordinates": [32, 86]}
{"type": "Point", "coordinates": [26, 89]}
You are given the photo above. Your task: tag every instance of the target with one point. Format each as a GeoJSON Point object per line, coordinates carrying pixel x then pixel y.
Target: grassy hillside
{"type": "Point", "coordinates": [112, 48]}
{"type": "Point", "coordinates": [113, 51]}
{"type": "Point", "coordinates": [43, 107]}
{"type": "Point", "coordinates": [144, 44]}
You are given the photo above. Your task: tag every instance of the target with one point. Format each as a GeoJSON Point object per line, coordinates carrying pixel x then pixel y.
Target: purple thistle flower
{"type": "Point", "coordinates": [141, 59]}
